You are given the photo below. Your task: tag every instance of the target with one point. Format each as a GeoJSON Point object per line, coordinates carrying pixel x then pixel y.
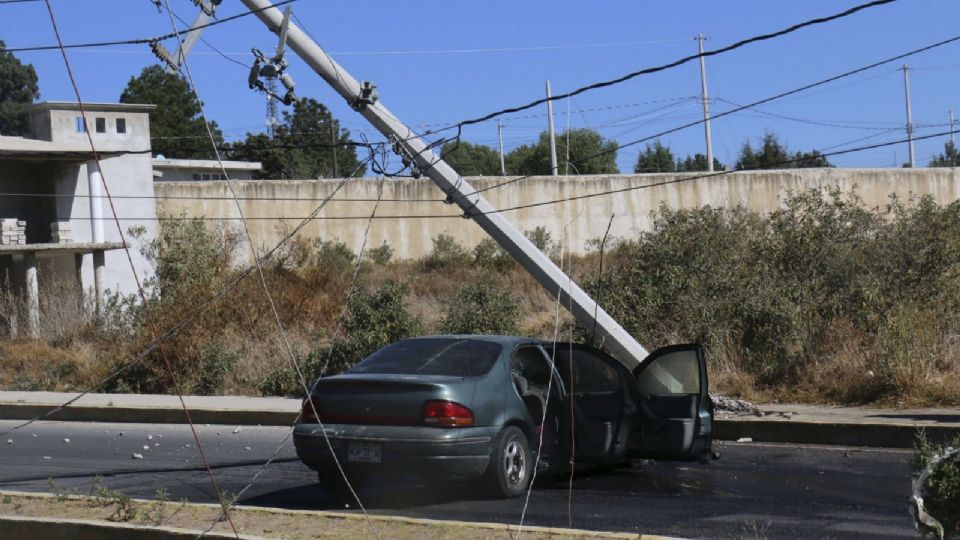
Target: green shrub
{"type": "Point", "coordinates": [215, 365]}
{"type": "Point", "coordinates": [765, 292]}
{"type": "Point", "coordinates": [488, 254]}
{"type": "Point", "coordinates": [380, 255]}
{"type": "Point", "coordinates": [374, 319]}
{"type": "Point", "coordinates": [543, 240]}
{"type": "Point", "coordinates": [333, 255]}
{"type": "Point", "coordinates": [482, 308]}
{"type": "Point", "coordinates": [941, 495]}
{"type": "Point", "coordinates": [446, 253]}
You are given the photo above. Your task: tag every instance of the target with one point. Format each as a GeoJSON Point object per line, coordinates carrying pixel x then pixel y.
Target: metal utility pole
{"type": "Point", "coordinates": [503, 164]}
{"type": "Point", "coordinates": [553, 141]}
{"type": "Point", "coordinates": [706, 103]}
{"type": "Point", "coordinates": [906, 86]}
{"type": "Point", "coordinates": [363, 98]}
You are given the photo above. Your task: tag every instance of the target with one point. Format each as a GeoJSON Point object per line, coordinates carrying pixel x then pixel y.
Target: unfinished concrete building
{"type": "Point", "coordinates": [62, 235]}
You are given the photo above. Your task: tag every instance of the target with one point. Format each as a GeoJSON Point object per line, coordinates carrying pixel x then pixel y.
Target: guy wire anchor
{"type": "Point", "coordinates": [272, 69]}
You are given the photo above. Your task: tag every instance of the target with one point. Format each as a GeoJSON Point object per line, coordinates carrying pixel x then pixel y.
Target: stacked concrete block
{"type": "Point", "coordinates": [61, 232]}
{"type": "Point", "coordinates": [13, 232]}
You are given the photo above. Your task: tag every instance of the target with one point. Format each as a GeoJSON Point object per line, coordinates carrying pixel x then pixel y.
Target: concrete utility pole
{"type": "Point", "coordinates": [363, 98]}
{"type": "Point", "coordinates": [503, 164]}
{"type": "Point", "coordinates": [906, 86]}
{"type": "Point", "coordinates": [553, 141]}
{"type": "Point", "coordinates": [951, 125]}
{"type": "Point", "coordinates": [333, 142]}
{"type": "Point", "coordinates": [706, 103]}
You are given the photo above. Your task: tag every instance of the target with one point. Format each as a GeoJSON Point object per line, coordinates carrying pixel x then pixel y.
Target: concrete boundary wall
{"type": "Point", "coordinates": [586, 219]}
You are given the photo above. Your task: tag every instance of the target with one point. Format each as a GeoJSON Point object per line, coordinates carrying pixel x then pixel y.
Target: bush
{"type": "Point", "coordinates": [482, 308]}
{"type": "Point", "coordinates": [488, 254]}
{"type": "Point", "coordinates": [941, 492]}
{"type": "Point", "coordinates": [215, 365]}
{"type": "Point", "coordinates": [766, 294]}
{"type": "Point", "coordinates": [380, 255]}
{"type": "Point", "coordinates": [446, 253]}
{"type": "Point", "coordinates": [374, 319]}
{"type": "Point", "coordinates": [543, 240]}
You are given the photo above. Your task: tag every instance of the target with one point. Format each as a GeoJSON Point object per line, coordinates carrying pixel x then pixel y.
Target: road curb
{"type": "Point", "coordinates": [146, 415]}
{"type": "Point", "coordinates": [31, 528]}
{"type": "Point", "coordinates": [885, 435]}
{"type": "Point", "coordinates": [27, 528]}
{"type": "Point", "coordinates": [776, 429]}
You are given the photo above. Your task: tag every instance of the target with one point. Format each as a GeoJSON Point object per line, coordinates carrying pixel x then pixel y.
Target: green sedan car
{"type": "Point", "coordinates": [492, 408]}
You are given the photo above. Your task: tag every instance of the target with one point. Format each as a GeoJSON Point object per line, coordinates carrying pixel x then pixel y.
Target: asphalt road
{"type": "Point", "coordinates": [753, 491]}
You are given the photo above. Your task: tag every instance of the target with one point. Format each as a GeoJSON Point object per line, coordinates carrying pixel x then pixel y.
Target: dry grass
{"type": "Point", "coordinates": [890, 350]}
{"type": "Point", "coordinates": [267, 523]}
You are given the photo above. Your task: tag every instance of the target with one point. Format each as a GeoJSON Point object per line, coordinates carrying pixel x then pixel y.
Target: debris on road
{"type": "Point", "coordinates": [727, 406]}
{"type": "Point", "coordinates": [237, 430]}
{"type": "Point", "coordinates": [137, 456]}
{"type": "Point", "coordinates": [745, 439]}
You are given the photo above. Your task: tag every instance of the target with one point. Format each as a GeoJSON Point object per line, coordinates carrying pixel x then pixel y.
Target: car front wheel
{"type": "Point", "coordinates": [510, 465]}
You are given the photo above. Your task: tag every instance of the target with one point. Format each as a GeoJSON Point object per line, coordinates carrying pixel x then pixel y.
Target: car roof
{"type": "Point", "coordinates": [502, 340]}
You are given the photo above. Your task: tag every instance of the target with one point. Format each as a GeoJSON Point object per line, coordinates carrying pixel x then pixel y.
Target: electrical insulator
{"type": "Point", "coordinates": [163, 54]}
{"type": "Point", "coordinates": [287, 81]}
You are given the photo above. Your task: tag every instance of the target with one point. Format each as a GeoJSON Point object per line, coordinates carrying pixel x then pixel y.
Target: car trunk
{"type": "Point", "coordinates": [386, 400]}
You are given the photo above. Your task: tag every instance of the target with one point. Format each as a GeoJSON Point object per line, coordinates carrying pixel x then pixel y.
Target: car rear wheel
{"type": "Point", "coordinates": [510, 465]}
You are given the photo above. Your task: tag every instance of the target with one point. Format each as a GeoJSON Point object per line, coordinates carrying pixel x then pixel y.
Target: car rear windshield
{"type": "Point", "coordinates": [443, 356]}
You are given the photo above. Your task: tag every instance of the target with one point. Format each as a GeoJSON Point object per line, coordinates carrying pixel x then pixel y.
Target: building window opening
{"type": "Point", "coordinates": [121, 125]}
{"type": "Point", "coordinates": [101, 124]}
{"type": "Point", "coordinates": [81, 125]}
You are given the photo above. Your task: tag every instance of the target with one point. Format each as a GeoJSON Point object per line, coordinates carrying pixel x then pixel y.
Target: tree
{"type": "Point", "coordinates": [589, 154]}
{"type": "Point", "coordinates": [18, 89]}
{"type": "Point", "coordinates": [471, 159]}
{"type": "Point", "coordinates": [698, 163]}
{"type": "Point", "coordinates": [302, 146]}
{"type": "Point", "coordinates": [655, 158]}
{"type": "Point", "coordinates": [773, 155]}
{"type": "Point", "coordinates": [176, 125]}
{"type": "Point", "coordinates": [949, 158]}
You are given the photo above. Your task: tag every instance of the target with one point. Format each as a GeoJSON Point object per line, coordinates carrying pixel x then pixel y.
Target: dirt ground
{"type": "Point", "coordinates": [111, 506]}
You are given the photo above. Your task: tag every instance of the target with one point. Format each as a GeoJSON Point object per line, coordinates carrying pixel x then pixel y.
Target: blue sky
{"type": "Point", "coordinates": [416, 52]}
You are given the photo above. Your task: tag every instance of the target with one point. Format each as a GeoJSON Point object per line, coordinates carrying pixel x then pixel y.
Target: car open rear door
{"type": "Point", "coordinates": [674, 418]}
{"type": "Point", "coordinates": [602, 399]}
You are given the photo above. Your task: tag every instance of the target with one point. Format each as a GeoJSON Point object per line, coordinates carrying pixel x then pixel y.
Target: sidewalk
{"type": "Point", "coordinates": [801, 424]}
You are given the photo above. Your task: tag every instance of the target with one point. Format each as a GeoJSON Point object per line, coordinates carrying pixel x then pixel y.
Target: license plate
{"type": "Point", "coordinates": [364, 453]}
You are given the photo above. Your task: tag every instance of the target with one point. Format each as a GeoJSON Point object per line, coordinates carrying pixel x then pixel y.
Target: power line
{"type": "Point", "coordinates": [148, 313]}
{"type": "Point", "coordinates": [749, 105]}
{"type": "Point", "coordinates": [681, 61]}
{"type": "Point", "coordinates": [803, 120]}
{"type": "Point", "coordinates": [144, 41]}
{"type": "Point", "coordinates": [263, 280]}
{"type": "Point", "coordinates": [208, 198]}
{"type": "Point", "coordinates": [208, 44]}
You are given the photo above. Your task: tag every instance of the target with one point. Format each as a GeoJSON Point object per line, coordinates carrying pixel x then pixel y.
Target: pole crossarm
{"type": "Point", "coordinates": [363, 99]}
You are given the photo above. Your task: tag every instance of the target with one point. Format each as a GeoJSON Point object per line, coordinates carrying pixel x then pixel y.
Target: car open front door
{"type": "Point", "coordinates": [674, 419]}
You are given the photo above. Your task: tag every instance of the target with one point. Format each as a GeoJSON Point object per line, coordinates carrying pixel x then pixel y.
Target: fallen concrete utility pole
{"type": "Point", "coordinates": [363, 98]}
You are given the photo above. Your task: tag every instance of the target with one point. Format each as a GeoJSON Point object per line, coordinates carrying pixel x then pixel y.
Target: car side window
{"type": "Point", "coordinates": [592, 374]}
{"type": "Point", "coordinates": [673, 373]}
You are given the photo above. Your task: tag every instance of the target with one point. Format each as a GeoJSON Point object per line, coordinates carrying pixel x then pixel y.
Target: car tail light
{"type": "Point", "coordinates": [446, 414]}
{"type": "Point", "coordinates": [308, 415]}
